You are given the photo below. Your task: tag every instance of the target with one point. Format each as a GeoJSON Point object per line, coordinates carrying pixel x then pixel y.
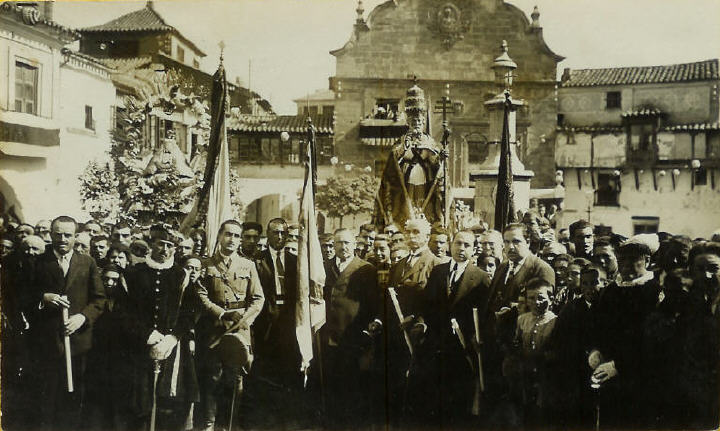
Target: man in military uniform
{"type": "Point", "coordinates": [412, 181]}
{"type": "Point", "coordinates": [231, 298]}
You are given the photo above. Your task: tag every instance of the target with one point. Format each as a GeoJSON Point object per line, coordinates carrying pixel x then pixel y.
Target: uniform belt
{"type": "Point", "coordinates": [232, 305]}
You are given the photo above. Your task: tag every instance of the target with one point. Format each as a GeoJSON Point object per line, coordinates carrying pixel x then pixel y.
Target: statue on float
{"type": "Point", "coordinates": [168, 165]}
{"type": "Point", "coordinates": [412, 181]}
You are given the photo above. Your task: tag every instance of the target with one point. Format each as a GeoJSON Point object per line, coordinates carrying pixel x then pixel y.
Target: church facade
{"type": "Point", "coordinates": [449, 48]}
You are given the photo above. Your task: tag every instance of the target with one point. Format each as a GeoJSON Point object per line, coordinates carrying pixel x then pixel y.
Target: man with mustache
{"type": "Point", "coordinates": [231, 297]}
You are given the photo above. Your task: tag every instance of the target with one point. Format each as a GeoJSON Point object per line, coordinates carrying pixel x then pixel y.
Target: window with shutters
{"type": "Point", "coordinates": [608, 190]}
{"type": "Point", "coordinates": [613, 100]}
{"type": "Point", "coordinates": [89, 122]}
{"type": "Point", "coordinates": [26, 88]}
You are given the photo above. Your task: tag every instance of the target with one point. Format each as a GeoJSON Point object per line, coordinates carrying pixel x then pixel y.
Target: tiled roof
{"type": "Point", "coordinates": [618, 129]}
{"type": "Point", "coordinates": [590, 129]}
{"type": "Point", "coordinates": [145, 19]}
{"type": "Point", "coordinates": [13, 7]}
{"type": "Point", "coordinates": [685, 72]}
{"type": "Point", "coordinates": [644, 112]}
{"type": "Point", "coordinates": [280, 123]}
{"type": "Point", "coordinates": [126, 64]}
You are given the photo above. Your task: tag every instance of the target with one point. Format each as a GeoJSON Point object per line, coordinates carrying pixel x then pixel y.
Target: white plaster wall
{"type": "Point", "coordinates": [681, 210]}
{"type": "Point", "coordinates": [78, 145]}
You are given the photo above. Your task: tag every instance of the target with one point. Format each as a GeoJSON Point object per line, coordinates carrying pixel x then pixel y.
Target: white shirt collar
{"type": "Point", "coordinates": [342, 265]}
{"type": "Point", "coordinates": [516, 266]}
{"type": "Point", "coordinates": [461, 266]}
{"type": "Point", "coordinates": [60, 257]}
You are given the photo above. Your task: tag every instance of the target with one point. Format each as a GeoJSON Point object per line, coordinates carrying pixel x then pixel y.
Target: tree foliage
{"type": "Point", "coordinates": [346, 196]}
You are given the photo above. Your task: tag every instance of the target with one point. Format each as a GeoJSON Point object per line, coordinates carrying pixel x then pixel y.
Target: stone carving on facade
{"type": "Point", "coordinates": [450, 23]}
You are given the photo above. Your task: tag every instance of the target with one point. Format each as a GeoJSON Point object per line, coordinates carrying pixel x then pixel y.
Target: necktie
{"type": "Point", "coordinates": [280, 274]}
{"type": "Point", "coordinates": [451, 278]}
{"type": "Point", "coordinates": [64, 264]}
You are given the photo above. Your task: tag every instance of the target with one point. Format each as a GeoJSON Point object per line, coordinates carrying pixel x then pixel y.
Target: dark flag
{"type": "Point", "coordinates": [215, 180]}
{"type": "Point", "coordinates": [504, 198]}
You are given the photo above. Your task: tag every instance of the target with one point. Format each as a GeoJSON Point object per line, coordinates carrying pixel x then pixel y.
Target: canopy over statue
{"type": "Point", "coordinates": [412, 180]}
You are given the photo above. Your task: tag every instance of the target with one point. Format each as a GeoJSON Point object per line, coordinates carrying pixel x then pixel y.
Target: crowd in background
{"type": "Point", "coordinates": [530, 328]}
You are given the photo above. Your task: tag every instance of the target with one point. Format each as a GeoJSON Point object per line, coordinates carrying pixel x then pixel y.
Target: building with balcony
{"type": "Point", "coordinates": [55, 113]}
{"type": "Point", "coordinates": [639, 147]}
{"type": "Point", "coordinates": [444, 44]}
{"type": "Point", "coordinates": [271, 169]}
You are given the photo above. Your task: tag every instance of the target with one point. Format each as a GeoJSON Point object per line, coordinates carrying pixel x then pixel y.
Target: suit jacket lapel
{"type": "Point", "coordinates": [267, 261]}
{"type": "Point", "coordinates": [72, 271]}
{"type": "Point", "coordinates": [466, 282]}
{"type": "Point", "coordinates": [524, 268]}
{"type": "Point", "coordinates": [55, 271]}
{"type": "Point", "coordinates": [419, 264]}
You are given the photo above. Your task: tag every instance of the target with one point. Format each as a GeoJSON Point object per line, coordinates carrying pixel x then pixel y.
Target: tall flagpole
{"type": "Point", "coordinates": [504, 200]}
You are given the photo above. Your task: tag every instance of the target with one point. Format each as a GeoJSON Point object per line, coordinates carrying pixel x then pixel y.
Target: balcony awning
{"type": "Point", "coordinates": [25, 140]}
{"type": "Point", "coordinates": [380, 132]}
{"type": "Point", "coordinates": [379, 142]}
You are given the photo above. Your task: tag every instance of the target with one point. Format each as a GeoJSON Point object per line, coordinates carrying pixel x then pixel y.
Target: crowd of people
{"type": "Point", "coordinates": [529, 328]}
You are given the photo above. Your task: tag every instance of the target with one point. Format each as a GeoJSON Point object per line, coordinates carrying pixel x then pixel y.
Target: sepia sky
{"type": "Point", "coordinates": [288, 40]}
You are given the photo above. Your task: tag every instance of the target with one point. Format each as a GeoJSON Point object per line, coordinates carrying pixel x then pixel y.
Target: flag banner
{"type": "Point", "coordinates": [219, 206]}
{"type": "Point", "coordinates": [310, 312]}
{"type": "Point", "coordinates": [504, 199]}
{"type": "Point", "coordinates": [215, 177]}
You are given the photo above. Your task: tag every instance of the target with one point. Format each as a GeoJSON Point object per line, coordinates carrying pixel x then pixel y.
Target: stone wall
{"type": "Point", "coordinates": [399, 42]}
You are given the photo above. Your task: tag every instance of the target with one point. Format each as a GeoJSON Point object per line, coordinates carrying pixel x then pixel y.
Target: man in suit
{"type": "Point", "coordinates": [521, 265]}
{"type": "Point", "coordinates": [353, 301]}
{"type": "Point", "coordinates": [453, 290]}
{"type": "Point", "coordinates": [275, 384]}
{"type": "Point", "coordinates": [65, 279]}
{"type": "Point", "coordinates": [409, 277]}
{"type": "Point", "coordinates": [231, 297]}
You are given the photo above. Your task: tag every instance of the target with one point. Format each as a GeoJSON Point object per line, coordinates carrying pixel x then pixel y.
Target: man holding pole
{"type": "Point", "coordinates": [69, 297]}
{"type": "Point", "coordinates": [408, 278]}
{"type": "Point", "coordinates": [447, 352]}
{"type": "Point", "coordinates": [160, 312]}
